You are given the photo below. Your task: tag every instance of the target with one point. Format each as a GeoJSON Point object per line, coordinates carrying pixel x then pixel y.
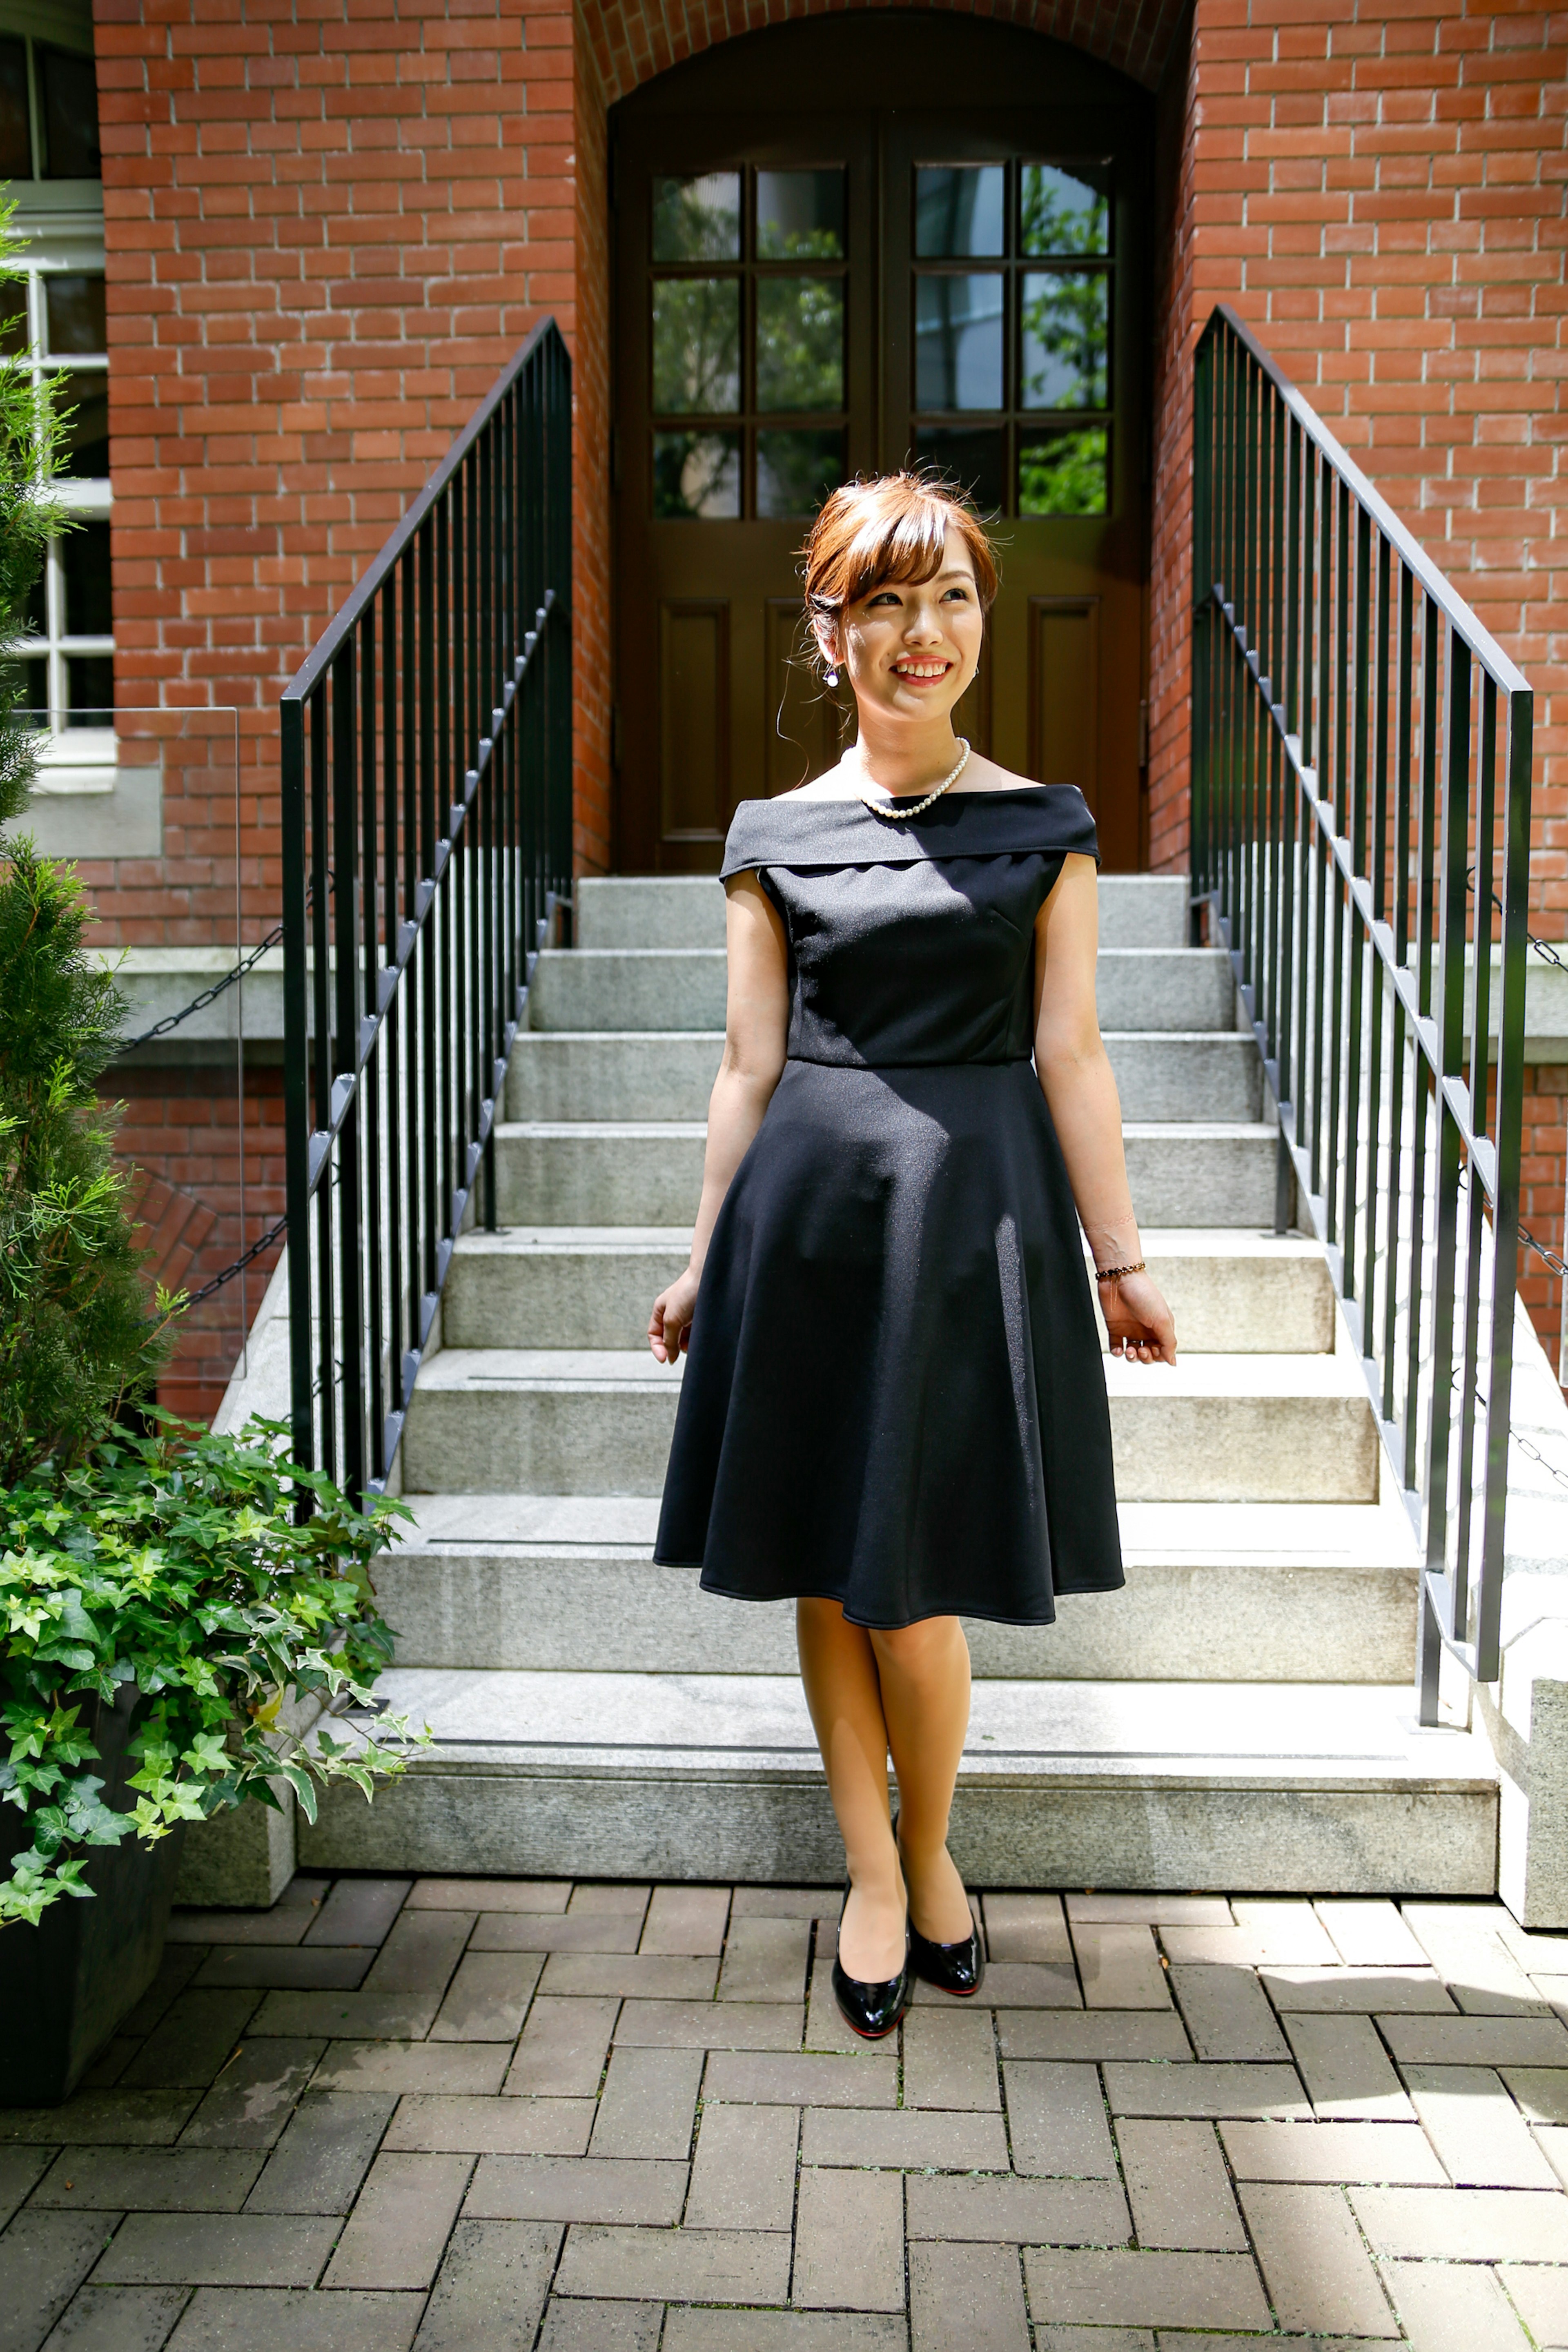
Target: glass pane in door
{"type": "Point", "coordinates": [1062, 211]}
{"type": "Point", "coordinates": [958, 341]}
{"type": "Point", "coordinates": [698, 219]}
{"type": "Point", "coordinates": [799, 344]}
{"type": "Point", "coordinates": [800, 216]}
{"type": "Point", "coordinates": [1065, 320]}
{"type": "Point", "coordinates": [959, 211]}
{"type": "Point", "coordinates": [696, 346]}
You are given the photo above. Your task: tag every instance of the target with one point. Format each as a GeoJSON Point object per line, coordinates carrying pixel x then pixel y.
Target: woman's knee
{"type": "Point", "coordinates": [926, 1647]}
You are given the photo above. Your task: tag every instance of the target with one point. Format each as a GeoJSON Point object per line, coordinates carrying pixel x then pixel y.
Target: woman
{"type": "Point", "coordinates": [894, 1406]}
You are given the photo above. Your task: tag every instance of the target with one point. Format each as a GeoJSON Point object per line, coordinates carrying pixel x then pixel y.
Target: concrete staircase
{"type": "Point", "coordinates": [1240, 1717]}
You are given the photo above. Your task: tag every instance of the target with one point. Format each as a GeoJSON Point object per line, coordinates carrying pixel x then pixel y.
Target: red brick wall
{"type": "Point", "coordinates": [591, 486]}
{"type": "Point", "coordinates": [1544, 1170]}
{"type": "Point", "coordinates": [1170, 555]}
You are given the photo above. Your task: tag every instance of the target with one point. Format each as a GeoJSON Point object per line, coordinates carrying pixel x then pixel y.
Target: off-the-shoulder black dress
{"type": "Point", "coordinates": [894, 1395]}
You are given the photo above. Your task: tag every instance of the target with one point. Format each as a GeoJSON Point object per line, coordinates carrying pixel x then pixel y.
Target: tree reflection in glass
{"type": "Point", "coordinates": [796, 470]}
{"type": "Point", "coordinates": [699, 219]}
{"type": "Point", "coordinates": [800, 216]}
{"type": "Point", "coordinates": [1065, 315]}
{"type": "Point", "coordinates": [696, 346]}
{"type": "Point", "coordinates": [800, 343]}
{"type": "Point", "coordinates": [1061, 213]}
{"type": "Point", "coordinates": [1065, 473]}
{"type": "Point", "coordinates": [695, 477]}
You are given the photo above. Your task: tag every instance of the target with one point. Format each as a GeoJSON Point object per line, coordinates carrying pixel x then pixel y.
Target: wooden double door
{"type": "Point", "coordinates": [839, 245]}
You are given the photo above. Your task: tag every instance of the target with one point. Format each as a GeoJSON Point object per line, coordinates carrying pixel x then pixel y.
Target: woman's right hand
{"type": "Point", "coordinates": [670, 1325]}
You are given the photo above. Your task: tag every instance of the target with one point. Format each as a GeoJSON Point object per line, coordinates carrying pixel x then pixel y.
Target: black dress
{"type": "Point", "coordinates": [894, 1395]}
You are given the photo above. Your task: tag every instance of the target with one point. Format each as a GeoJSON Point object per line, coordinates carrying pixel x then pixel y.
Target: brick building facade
{"type": "Point", "coordinates": [324, 229]}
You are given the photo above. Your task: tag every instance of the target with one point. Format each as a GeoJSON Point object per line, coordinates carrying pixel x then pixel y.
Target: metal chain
{"type": "Point", "coordinates": [208, 995]}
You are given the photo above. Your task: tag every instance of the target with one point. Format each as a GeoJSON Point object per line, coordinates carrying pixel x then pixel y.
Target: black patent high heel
{"type": "Point", "coordinates": [871, 2010]}
{"type": "Point", "coordinates": [951, 1967]}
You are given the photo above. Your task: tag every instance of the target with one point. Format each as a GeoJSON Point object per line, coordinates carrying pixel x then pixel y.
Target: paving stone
{"type": "Point", "coordinates": [469, 2068]}
{"type": "Point", "coordinates": [1453, 2307]}
{"type": "Point", "coordinates": [44, 2258]}
{"type": "Point", "coordinates": [1541, 2091]}
{"type": "Point", "coordinates": [1204, 2090]}
{"type": "Point", "coordinates": [421, 1951]}
{"type": "Point", "coordinates": [284, 1924]}
{"type": "Point", "coordinates": [1020, 2213]}
{"type": "Point", "coordinates": [193, 2040]}
{"type": "Point", "coordinates": [219, 2319]}
{"type": "Point", "coordinates": [21, 2169]}
{"type": "Point", "coordinates": [1543, 2298]}
{"type": "Point", "coordinates": [176, 1971]}
{"type": "Point", "coordinates": [364, 2016]}
{"type": "Point", "coordinates": [492, 2285]}
{"type": "Point", "coordinates": [709, 2024]}
{"type": "Point", "coordinates": [675, 2265]}
{"type": "Point", "coordinates": [1177, 2185]}
{"type": "Point", "coordinates": [1476, 2129]}
{"type": "Point", "coordinates": [118, 2319]}
{"type": "Point", "coordinates": [1116, 2288]}
{"type": "Point", "coordinates": [1345, 1991]}
{"type": "Point", "coordinates": [648, 2103]}
{"type": "Point", "coordinates": [1266, 1934]}
{"type": "Point", "coordinates": [119, 2118]}
{"type": "Point", "coordinates": [324, 2154]}
{"type": "Point", "coordinates": [1319, 2274]}
{"type": "Point", "coordinates": [1027, 1927]}
{"type": "Point", "coordinates": [1092, 2033]}
{"type": "Point", "coordinates": [1460, 2225]}
{"type": "Point", "coordinates": [531, 1931]}
{"type": "Point", "coordinates": [1368, 1932]}
{"type": "Point", "coordinates": [764, 1959]}
{"type": "Point", "coordinates": [1476, 2040]}
{"type": "Point", "coordinates": [636, 1975]}
{"type": "Point", "coordinates": [982, 2283]}
{"type": "Point", "coordinates": [571, 2326]}
{"type": "Point", "coordinates": [111, 2063]}
{"type": "Point", "coordinates": [217, 2250]}
{"type": "Point", "coordinates": [254, 2096]}
{"type": "Point", "coordinates": [1098, 2339]}
{"type": "Point", "coordinates": [358, 1911]}
{"type": "Point", "coordinates": [1015, 1984]}
{"type": "Point", "coordinates": [1119, 1966]}
{"type": "Point", "coordinates": [401, 2221]}
{"type": "Point", "coordinates": [1398, 2153]}
{"type": "Point", "coordinates": [780, 2331]}
{"type": "Point", "coordinates": [489, 1894]}
{"type": "Point", "coordinates": [686, 1919]}
{"type": "Point", "coordinates": [297, 1967]}
{"type": "Point", "coordinates": [1531, 1950]}
{"type": "Point", "coordinates": [1151, 1910]}
{"type": "Point", "coordinates": [903, 2139]}
{"type": "Point", "coordinates": [577, 2189]}
{"type": "Point", "coordinates": [824, 2026]}
{"type": "Point", "coordinates": [151, 2180]}
{"type": "Point", "coordinates": [1226, 2011]}
{"type": "Point", "coordinates": [950, 2059]}
{"type": "Point", "coordinates": [487, 1997]}
{"type": "Point", "coordinates": [786, 1901]}
{"type": "Point", "coordinates": [1552, 2141]}
{"type": "Point", "coordinates": [743, 2174]}
{"type": "Point", "coordinates": [1555, 1990]}
{"type": "Point", "coordinates": [630, 1902]}
{"type": "Point", "coordinates": [1345, 2068]}
{"type": "Point", "coordinates": [1055, 2115]}
{"type": "Point", "coordinates": [434, 2123]}
{"type": "Point", "coordinates": [563, 2048]}
{"type": "Point", "coordinates": [869, 2079]}
{"type": "Point", "coordinates": [1463, 1942]}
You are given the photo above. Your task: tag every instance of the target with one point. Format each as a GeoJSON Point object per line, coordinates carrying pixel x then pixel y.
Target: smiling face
{"type": "Point", "coordinates": [912, 646]}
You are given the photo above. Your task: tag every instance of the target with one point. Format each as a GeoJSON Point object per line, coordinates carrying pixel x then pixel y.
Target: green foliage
{"type": "Point", "coordinates": [1064, 473]}
{"type": "Point", "coordinates": [30, 425]}
{"type": "Point", "coordinates": [76, 1340]}
{"type": "Point", "coordinates": [176, 1563]}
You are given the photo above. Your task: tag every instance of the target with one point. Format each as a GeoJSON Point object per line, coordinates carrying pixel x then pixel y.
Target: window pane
{"type": "Point", "coordinates": [76, 312]}
{"type": "Point", "coordinates": [800, 343]}
{"type": "Point", "coordinates": [698, 220]}
{"type": "Point", "coordinates": [697, 345]}
{"type": "Point", "coordinates": [1063, 211]}
{"type": "Point", "coordinates": [959, 211]}
{"type": "Point", "coordinates": [958, 341]}
{"type": "Point", "coordinates": [90, 689]}
{"type": "Point", "coordinates": [84, 559]}
{"type": "Point", "coordinates": [13, 319]}
{"type": "Point", "coordinates": [1065, 473]}
{"type": "Point", "coordinates": [84, 444]}
{"type": "Point", "coordinates": [800, 216]}
{"type": "Point", "coordinates": [68, 98]}
{"type": "Point", "coordinates": [976, 461]}
{"type": "Point", "coordinates": [34, 707]}
{"type": "Point", "coordinates": [695, 477]}
{"type": "Point", "coordinates": [15, 143]}
{"type": "Point", "coordinates": [796, 470]}
{"type": "Point", "coordinates": [35, 613]}
{"type": "Point", "coordinates": [1066, 325]}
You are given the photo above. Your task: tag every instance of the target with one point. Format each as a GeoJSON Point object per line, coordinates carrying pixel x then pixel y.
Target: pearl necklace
{"type": "Point", "coordinates": [903, 816]}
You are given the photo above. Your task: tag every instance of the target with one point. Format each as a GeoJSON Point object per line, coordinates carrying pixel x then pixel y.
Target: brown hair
{"type": "Point", "coordinates": [890, 530]}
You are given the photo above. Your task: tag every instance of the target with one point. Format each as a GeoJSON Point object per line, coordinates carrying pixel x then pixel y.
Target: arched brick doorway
{"type": "Point", "coordinates": [837, 244]}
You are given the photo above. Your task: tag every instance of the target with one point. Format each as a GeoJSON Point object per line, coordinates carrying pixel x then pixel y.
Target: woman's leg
{"type": "Point", "coordinates": [839, 1671]}
{"type": "Point", "coordinates": [923, 1674]}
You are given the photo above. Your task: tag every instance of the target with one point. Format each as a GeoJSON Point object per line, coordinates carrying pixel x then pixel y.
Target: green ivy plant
{"type": "Point", "coordinates": [180, 1562]}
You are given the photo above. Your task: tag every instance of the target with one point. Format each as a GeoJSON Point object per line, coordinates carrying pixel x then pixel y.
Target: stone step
{"type": "Point", "coordinates": [1262, 1787]}
{"type": "Point", "coordinates": [668, 1074]}
{"type": "Point", "coordinates": [1221, 1428]}
{"type": "Point", "coordinates": [644, 910]}
{"type": "Point", "coordinates": [1216, 1591]}
{"type": "Point", "coordinates": [1235, 1291]}
{"type": "Point", "coordinates": [649, 1172]}
{"type": "Point", "coordinates": [683, 988]}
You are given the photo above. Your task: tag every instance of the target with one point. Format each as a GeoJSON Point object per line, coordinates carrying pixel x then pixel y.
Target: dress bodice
{"type": "Point", "coordinates": [911, 942]}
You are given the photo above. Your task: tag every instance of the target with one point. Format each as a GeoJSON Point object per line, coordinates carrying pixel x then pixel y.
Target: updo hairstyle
{"type": "Point", "coordinates": [887, 532]}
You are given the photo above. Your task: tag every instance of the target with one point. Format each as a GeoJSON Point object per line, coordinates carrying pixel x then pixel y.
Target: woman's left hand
{"type": "Point", "coordinates": [1141, 1327]}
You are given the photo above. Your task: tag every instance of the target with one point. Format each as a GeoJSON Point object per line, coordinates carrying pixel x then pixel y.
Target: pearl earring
{"type": "Point", "coordinates": [833, 678]}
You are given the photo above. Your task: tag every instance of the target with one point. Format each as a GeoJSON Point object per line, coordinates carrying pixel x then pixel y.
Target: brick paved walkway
{"type": "Point", "coordinates": [500, 2113]}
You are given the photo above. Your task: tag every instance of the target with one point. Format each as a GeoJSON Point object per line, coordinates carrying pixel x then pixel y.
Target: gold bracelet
{"type": "Point", "coordinates": [1115, 1273]}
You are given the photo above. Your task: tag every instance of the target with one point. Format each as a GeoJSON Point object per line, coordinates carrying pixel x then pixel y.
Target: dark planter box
{"type": "Point", "coordinates": [65, 1984]}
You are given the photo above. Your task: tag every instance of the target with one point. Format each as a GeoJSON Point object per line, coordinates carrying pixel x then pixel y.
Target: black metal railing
{"type": "Point", "coordinates": [426, 750]}
{"type": "Point", "coordinates": [1360, 836]}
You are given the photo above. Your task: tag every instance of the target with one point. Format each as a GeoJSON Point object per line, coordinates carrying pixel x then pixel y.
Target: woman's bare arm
{"type": "Point", "coordinates": [756, 1029]}
{"type": "Point", "coordinates": [1076, 1078]}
